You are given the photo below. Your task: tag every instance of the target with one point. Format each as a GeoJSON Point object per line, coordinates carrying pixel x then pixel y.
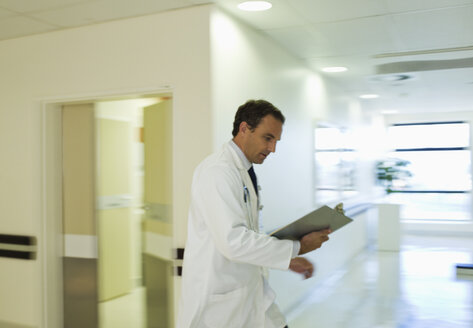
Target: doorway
{"type": "Point", "coordinates": [116, 215]}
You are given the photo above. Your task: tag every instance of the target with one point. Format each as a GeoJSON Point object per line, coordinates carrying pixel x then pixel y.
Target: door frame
{"type": "Point", "coordinates": [51, 239]}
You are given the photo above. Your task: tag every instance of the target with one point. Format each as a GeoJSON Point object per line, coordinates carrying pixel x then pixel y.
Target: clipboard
{"type": "Point", "coordinates": [320, 219]}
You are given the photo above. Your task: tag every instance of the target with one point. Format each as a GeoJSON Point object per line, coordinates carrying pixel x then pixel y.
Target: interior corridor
{"type": "Point", "coordinates": [415, 288]}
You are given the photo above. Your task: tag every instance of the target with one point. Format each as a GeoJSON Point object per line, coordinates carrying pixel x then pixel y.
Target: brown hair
{"type": "Point", "coordinates": [253, 111]}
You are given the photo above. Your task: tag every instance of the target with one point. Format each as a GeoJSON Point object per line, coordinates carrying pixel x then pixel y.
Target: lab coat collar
{"type": "Point", "coordinates": [254, 200]}
{"type": "Point", "coordinates": [244, 161]}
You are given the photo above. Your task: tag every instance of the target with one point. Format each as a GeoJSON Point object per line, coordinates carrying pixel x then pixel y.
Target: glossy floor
{"type": "Point", "coordinates": [415, 288]}
{"type": "Point", "coordinates": [124, 312]}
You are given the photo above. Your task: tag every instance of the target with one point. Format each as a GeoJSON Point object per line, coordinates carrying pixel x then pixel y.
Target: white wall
{"type": "Point", "coordinates": [246, 64]}
{"type": "Point", "coordinates": [210, 75]}
{"type": "Point", "coordinates": [128, 57]}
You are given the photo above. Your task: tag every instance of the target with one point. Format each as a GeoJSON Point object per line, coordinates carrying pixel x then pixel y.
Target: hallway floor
{"type": "Point", "coordinates": [415, 288]}
{"type": "Point", "coordinates": [124, 312]}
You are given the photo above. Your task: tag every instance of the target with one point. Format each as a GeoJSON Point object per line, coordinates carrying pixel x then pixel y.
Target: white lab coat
{"type": "Point", "coordinates": [224, 284]}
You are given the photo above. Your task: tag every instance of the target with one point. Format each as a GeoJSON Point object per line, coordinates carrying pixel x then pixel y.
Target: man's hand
{"type": "Point", "coordinates": [302, 266]}
{"type": "Point", "coordinates": [313, 240]}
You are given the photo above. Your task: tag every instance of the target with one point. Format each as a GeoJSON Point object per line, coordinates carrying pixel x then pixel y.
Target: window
{"type": "Point", "coordinates": [439, 159]}
{"type": "Point", "coordinates": [335, 164]}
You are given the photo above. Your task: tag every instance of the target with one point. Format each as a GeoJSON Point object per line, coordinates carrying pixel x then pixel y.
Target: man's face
{"type": "Point", "coordinates": [260, 142]}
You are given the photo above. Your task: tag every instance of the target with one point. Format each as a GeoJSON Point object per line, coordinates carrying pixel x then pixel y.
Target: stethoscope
{"type": "Point", "coordinates": [246, 194]}
{"type": "Point", "coordinates": [247, 199]}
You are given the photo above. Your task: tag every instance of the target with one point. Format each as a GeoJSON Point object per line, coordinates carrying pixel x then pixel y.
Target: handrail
{"type": "Point", "coordinates": [357, 209]}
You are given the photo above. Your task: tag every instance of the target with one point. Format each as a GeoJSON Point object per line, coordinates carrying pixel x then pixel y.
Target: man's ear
{"type": "Point", "coordinates": [244, 127]}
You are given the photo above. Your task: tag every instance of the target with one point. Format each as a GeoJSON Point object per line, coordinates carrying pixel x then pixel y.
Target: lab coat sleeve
{"type": "Point", "coordinates": [221, 203]}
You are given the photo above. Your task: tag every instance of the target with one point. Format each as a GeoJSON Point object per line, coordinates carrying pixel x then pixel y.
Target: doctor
{"type": "Point", "coordinates": [224, 282]}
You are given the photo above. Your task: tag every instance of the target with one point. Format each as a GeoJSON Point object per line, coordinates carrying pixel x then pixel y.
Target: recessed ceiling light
{"type": "Point", "coordinates": [334, 69]}
{"type": "Point", "coordinates": [369, 96]}
{"type": "Point", "coordinates": [391, 78]}
{"type": "Point", "coordinates": [255, 5]}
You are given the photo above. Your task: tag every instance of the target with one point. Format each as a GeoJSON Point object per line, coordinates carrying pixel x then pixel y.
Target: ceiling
{"type": "Point", "coordinates": [416, 54]}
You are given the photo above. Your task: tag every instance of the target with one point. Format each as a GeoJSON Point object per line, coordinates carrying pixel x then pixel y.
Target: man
{"type": "Point", "coordinates": [226, 258]}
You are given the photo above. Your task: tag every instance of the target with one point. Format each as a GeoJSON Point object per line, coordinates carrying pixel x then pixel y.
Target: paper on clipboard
{"type": "Point", "coordinates": [320, 219]}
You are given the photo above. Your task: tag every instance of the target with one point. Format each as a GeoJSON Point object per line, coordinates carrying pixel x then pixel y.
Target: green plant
{"type": "Point", "coordinates": [390, 170]}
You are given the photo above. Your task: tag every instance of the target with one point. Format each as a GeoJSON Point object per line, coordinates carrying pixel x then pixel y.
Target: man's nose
{"type": "Point", "coordinates": [272, 146]}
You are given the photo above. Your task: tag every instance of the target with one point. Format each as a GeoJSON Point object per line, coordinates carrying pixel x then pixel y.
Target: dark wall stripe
{"type": "Point", "coordinates": [432, 149]}
{"type": "Point", "coordinates": [428, 123]}
{"type": "Point", "coordinates": [20, 242]}
{"type": "Point", "coordinates": [430, 191]}
{"type": "Point", "coordinates": [178, 271]}
{"type": "Point", "coordinates": [17, 254]}
{"type": "Point", "coordinates": [17, 240]}
{"type": "Point", "coordinates": [465, 266]}
{"type": "Point", "coordinates": [179, 253]}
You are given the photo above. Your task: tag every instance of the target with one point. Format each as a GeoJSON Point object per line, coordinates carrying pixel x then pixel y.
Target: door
{"type": "Point", "coordinates": [124, 208]}
{"type": "Point", "coordinates": [79, 229]}
{"type": "Point", "coordinates": [113, 209]}
{"type": "Point", "coordinates": [158, 220]}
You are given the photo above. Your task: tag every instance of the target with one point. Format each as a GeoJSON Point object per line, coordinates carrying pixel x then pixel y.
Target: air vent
{"type": "Point", "coordinates": [423, 65]}
{"type": "Point", "coordinates": [423, 52]}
